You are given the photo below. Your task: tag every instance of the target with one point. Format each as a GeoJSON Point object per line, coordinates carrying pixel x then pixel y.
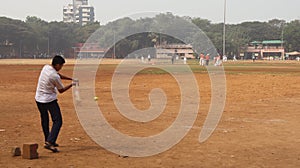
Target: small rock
{"type": "Point", "coordinates": [16, 151]}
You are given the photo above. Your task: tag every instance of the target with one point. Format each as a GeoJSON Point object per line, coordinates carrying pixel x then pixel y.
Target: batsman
{"type": "Point", "coordinates": [46, 99]}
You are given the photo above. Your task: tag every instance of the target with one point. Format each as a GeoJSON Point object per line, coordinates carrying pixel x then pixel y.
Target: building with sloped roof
{"type": "Point", "coordinates": [268, 49]}
{"type": "Point", "coordinates": [180, 50]}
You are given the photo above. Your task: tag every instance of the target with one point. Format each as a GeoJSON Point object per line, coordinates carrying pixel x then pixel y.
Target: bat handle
{"type": "Point", "coordinates": [76, 82]}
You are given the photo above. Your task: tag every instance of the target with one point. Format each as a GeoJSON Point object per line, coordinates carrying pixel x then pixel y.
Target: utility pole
{"type": "Point", "coordinates": [282, 47]}
{"type": "Point", "coordinates": [282, 27]}
{"type": "Point", "coordinates": [48, 45]}
{"type": "Point", "coordinates": [20, 55]}
{"type": "Point", "coordinates": [114, 56]}
{"type": "Point", "coordinates": [224, 29]}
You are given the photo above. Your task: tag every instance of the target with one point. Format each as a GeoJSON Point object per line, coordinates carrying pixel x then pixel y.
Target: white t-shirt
{"type": "Point", "coordinates": [49, 82]}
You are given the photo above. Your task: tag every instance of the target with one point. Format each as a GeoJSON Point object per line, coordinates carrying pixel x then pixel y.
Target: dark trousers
{"type": "Point", "coordinates": [207, 62]}
{"type": "Point", "coordinates": [53, 108]}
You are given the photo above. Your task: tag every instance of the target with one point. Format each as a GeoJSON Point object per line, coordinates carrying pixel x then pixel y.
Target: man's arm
{"type": "Point", "coordinates": [65, 88]}
{"type": "Point", "coordinates": [60, 87]}
{"type": "Point", "coordinates": [64, 77]}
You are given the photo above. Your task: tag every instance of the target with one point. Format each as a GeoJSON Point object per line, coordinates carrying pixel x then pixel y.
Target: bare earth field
{"type": "Point", "coordinates": [259, 127]}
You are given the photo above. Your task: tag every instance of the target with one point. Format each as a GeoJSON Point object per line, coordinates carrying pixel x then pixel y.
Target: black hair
{"type": "Point", "coordinates": [57, 59]}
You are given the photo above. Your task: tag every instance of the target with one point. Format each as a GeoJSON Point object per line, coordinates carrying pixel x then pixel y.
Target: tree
{"type": "Point", "coordinates": [292, 36]}
{"type": "Point", "coordinates": [35, 35]}
{"type": "Point", "coordinates": [259, 31]}
{"type": "Point", "coordinates": [18, 33]}
{"type": "Point", "coordinates": [236, 38]}
{"type": "Point", "coordinates": [203, 24]}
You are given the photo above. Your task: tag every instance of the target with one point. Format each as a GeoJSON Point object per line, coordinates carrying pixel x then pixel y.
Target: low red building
{"type": "Point", "coordinates": [88, 50]}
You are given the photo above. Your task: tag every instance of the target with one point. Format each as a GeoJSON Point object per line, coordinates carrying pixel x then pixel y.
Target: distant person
{"type": "Point", "coordinates": [215, 59]}
{"type": "Point", "coordinates": [46, 99]}
{"type": "Point", "coordinates": [234, 58]}
{"type": "Point", "coordinates": [224, 58]}
{"type": "Point", "coordinates": [149, 58]}
{"type": "Point", "coordinates": [184, 60]}
{"type": "Point", "coordinates": [218, 61]}
{"type": "Point", "coordinates": [202, 60]}
{"type": "Point", "coordinates": [172, 59]}
{"type": "Point", "coordinates": [207, 57]}
{"type": "Point", "coordinates": [142, 58]}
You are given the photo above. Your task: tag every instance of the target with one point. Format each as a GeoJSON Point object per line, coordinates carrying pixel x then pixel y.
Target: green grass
{"type": "Point", "coordinates": [233, 68]}
{"type": "Point", "coordinates": [155, 71]}
{"type": "Point", "coordinates": [236, 68]}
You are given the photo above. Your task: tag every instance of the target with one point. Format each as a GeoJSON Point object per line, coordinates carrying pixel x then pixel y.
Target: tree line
{"type": "Point", "coordinates": [35, 37]}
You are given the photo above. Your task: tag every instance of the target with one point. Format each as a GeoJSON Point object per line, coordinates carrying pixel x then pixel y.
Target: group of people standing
{"type": "Point", "coordinates": [204, 60]}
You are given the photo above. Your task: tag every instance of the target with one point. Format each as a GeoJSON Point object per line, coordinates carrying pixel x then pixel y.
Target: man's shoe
{"type": "Point", "coordinates": [54, 144]}
{"type": "Point", "coordinates": [51, 147]}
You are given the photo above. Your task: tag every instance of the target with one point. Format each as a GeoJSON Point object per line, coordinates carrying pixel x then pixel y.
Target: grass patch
{"type": "Point", "coordinates": [156, 71]}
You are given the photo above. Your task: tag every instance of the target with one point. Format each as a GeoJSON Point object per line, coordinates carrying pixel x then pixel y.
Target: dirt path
{"type": "Point", "coordinates": [259, 127]}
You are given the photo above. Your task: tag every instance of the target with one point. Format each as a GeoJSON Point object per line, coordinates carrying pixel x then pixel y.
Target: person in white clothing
{"type": "Point", "coordinates": [234, 58]}
{"type": "Point", "coordinates": [142, 58]}
{"type": "Point", "coordinates": [224, 58]}
{"type": "Point", "coordinates": [46, 99]}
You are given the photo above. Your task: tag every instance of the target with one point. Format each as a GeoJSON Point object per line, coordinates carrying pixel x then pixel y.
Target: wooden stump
{"type": "Point", "coordinates": [30, 151]}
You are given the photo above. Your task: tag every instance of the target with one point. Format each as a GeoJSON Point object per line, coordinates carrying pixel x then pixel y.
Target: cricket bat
{"type": "Point", "coordinates": [76, 92]}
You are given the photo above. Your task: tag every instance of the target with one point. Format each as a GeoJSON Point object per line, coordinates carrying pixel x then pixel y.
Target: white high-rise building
{"type": "Point", "coordinates": [80, 2]}
{"type": "Point", "coordinates": [68, 16]}
{"type": "Point", "coordinates": [79, 12]}
{"type": "Point", "coordinates": [85, 14]}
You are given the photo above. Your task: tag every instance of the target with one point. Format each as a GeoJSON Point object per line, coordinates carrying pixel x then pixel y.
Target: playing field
{"type": "Point", "coordinates": [259, 127]}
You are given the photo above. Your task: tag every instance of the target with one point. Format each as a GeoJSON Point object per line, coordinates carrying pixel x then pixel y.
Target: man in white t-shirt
{"type": "Point", "coordinates": [46, 99]}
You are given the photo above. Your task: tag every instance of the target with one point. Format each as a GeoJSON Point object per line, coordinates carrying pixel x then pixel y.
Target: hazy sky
{"type": "Point", "coordinates": [108, 10]}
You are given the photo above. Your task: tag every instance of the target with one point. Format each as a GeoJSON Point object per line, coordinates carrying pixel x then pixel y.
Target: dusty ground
{"type": "Point", "coordinates": [259, 127]}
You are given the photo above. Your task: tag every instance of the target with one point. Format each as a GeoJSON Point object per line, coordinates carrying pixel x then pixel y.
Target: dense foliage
{"type": "Point", "coordinates": [37, 38]}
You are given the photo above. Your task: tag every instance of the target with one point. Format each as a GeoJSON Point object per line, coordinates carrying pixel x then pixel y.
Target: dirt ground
{"type": "Point", "coordinates": [259, 127]}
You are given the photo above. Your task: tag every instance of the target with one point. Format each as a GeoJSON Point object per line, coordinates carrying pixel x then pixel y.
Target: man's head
{"type": "Point", "coordinates": [58, 62]}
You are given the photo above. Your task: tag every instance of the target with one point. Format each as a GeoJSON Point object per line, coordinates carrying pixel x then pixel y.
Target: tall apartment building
{"type": "Point", "coordinates": [68, 15]}
{"type": "Point", "coordinates": [80, 2]}
{"type": "Point", "coordinates": [79, 12]}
